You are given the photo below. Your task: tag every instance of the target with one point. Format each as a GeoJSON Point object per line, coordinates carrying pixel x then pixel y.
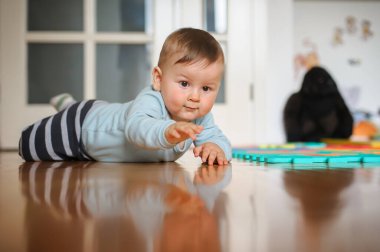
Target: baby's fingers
{"type": "Point", "coordinates": [221, 159]}
{"type": "Point", "coordinates": [197, 150]}
{"type": "Point", "coordinates": [191, 134]}
{"type": "Point", "coordinates": [198, 128]}
{"type": "Point", "coordinates": [193, 130]}
{"type": "Point", "coordinates": [204, 154]}
{"type": "Point", "coordinates": [175, 133]}
{"type": "Point", "coordinates": [212, 157]}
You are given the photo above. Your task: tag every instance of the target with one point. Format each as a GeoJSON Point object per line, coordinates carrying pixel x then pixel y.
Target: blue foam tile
{"type": "Point", "coordinates": [371, 159]}
{"type": "Point", "coordinates": [371, 165]}
{"type": "Point", "coordinates": [309, 159]}
{"type": "Point", "coordinates": [239, 154]}
{"type": "Point", "coordinates": [279, 159]}
{"type": "Point", "coordinates": [344, 159]}
{"type": "Point", "coordinates": [347, 165]}
{"type": "Point", "coordinates": [261, 157]}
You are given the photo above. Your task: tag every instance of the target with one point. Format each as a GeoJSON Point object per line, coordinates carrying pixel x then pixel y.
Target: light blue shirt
{"type": "Point", "coordinates": [135, 131]}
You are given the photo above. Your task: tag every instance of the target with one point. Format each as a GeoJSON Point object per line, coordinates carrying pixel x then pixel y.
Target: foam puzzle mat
{"type": "Point", "coordinates": [311, 153]}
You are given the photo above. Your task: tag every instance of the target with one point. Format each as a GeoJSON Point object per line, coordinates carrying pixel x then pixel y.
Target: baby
{"type": "Point", "coordinates": [160, 124]}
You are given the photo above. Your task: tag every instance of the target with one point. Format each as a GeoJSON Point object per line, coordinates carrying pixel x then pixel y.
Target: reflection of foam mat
{"type": "Point", "coordinates": [309, 153]}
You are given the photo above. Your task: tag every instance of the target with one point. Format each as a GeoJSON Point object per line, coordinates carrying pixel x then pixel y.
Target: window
{"type": "Point", "coordinates": [102, 51]}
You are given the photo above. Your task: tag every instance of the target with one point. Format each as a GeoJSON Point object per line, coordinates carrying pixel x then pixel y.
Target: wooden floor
{"type": "Point", "coordinates": [184, 206]}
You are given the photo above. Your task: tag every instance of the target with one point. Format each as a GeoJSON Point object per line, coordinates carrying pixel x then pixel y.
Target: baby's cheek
{"type": "Point", "coordinates": [173, 105]}
{"type": "Point", "coordinates": [177, 99]}
{"type": "Point", "coordinates": [205, 108]}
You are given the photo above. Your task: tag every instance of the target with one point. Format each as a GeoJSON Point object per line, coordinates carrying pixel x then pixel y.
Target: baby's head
{"type": "Point", "coordinates": [189, 73]}
{"type": "Point", "coordinates": [189, 45]}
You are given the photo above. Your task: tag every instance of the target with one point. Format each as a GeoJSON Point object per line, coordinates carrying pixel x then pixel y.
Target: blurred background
{"type": "Point", "coordinates": [105, 49]}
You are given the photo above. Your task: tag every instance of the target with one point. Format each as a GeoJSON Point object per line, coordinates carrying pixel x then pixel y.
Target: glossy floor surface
{"type": "Point", "coordinates": [184, 206]}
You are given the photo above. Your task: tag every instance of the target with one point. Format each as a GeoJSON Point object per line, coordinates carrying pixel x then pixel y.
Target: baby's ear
{"type": "Point", "coordinates": [157, 77]}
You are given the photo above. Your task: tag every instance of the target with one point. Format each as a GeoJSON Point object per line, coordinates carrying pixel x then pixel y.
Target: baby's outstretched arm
{"type": "Point", "coordinates": [211, 153]}
{"type": "Point", "coordinates": [180, 131]}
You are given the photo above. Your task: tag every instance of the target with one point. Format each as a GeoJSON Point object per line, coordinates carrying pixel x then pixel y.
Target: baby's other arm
{"type": "Point", "coordinates": [210, 153]}
{"type": "Point", "coordinates": [212, 146]}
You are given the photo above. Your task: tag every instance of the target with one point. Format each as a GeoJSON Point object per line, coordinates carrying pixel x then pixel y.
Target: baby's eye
{"type": "Point", "coordinates": [205, 88]}
{"type": "Point", "coordinates": [184, 84]}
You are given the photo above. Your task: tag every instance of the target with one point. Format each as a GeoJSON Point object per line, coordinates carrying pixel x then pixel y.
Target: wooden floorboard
{"type": "Point", "coordinates": [185, 206]}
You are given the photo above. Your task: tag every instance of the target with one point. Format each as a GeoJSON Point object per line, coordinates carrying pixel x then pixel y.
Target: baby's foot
{"type": "Point", "coordinates": [61, 101]}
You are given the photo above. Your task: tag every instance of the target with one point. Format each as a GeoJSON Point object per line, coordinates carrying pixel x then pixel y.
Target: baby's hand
{"type": "Point", "coordinates": [211, 153]}
{"type": "Point", "coordinates": [180, 131]}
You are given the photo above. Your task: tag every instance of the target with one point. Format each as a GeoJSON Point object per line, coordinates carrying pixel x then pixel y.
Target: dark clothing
{"type": "Point", "coordinates": [317, 111]}
{"type": "Point", "coordinates": [57, 137]}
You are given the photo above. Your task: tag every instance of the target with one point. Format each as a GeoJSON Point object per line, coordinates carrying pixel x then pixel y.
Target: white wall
{"type": "Point", "coordinates": [281, 26]}
{"type": "Point", "coordinates": [360, 83]}
{"type": "Point", "coordinates": [273, 66]}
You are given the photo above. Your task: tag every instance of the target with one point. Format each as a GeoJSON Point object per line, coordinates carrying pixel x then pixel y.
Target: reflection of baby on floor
{"type": "Point", "coordinates": [176, 215]}
{"type": "Point", "coordinates": [159, 210]}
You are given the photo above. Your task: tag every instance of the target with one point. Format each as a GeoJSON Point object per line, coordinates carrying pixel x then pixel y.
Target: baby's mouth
{"type": "Point", "coordinates": [190, 108]}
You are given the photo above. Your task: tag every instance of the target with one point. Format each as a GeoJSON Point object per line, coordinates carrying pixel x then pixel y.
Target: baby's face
{"type": "Point", "coordinates": [189, 90]}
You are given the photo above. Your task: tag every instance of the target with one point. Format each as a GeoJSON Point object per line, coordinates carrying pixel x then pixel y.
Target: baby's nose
{"type": "Point", "coordinates": [194, 96]}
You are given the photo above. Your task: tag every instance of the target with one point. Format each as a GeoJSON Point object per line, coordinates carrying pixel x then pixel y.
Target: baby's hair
{"type": "Point", "coordinates": [191, 45]}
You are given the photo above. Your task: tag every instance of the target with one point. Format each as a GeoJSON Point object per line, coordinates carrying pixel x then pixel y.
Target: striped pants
{"type": "Point", "coordinates": [57, 137]}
